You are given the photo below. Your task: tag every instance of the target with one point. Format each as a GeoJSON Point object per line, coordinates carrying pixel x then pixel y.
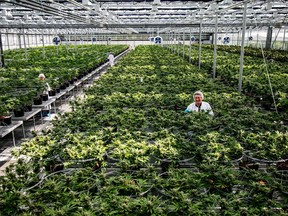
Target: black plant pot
{"type": "Point", "coordinates": [37, 101]}
{"type": "Point", "coordinates": [44, 97]}
{"type": "Point", "coordinates": [19, 112]}
{"type": "Point", "coordinates": [5, 120]}
{"type": "Point", "coordinates": [28, 108]}
{"type": "Point", "coordinates": [54, 167]}
{"type": "Point", "coordinates": [71, 81]}
{"type": "Point", "coordinates": [246, 165]}
{"type": "Point", "coordinates": [57, 90]}
{"type": "Point", "coordinates": [283, 165]}
{"type": "Point", "coordinates": [63, 86]}
{"type": "Point", "coordinates": [52, 92]}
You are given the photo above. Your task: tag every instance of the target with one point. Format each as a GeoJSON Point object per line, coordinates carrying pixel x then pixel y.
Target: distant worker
{"type": "Point", "coordinates": [111, 59]}
{"type": "Point", "coordinates": [46, 110]}
{"type": "Point", "coordinates": [198, 105]}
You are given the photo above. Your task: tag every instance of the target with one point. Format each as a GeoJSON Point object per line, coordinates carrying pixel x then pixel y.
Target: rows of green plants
{"type": "Point", "coordinates": [128, 148]}
{"type": "Point", "coordinates": [277, 55]}
{"type": "Point", "coordinates": [255, 77]}
{"type": "Point", "coordinates": [19, 81]}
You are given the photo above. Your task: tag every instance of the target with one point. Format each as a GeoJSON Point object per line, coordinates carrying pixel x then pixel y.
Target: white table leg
{"type": "Point", "coordinates": [34, 123]}
{"type": "Point", "coordinates": [13, 137]}
{"type": "Point", "coordinates": [55, 107]}
{"type": "Point", "coordinates": [41, 116]}
{"type": "Point", "coordinates": [23, 130]}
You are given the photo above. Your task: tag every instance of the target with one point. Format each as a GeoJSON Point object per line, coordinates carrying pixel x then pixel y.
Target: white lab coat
{"type": "Point", "coordinates": [204, 107]}
{"type": "Point", "coordinates": [111, 59]}
{"type": "Point", "coordinates": [46, 91]}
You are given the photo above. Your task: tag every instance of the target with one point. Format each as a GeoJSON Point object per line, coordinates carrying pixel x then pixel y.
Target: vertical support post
{"type": "Point", "coordinates": [215, 45]}
{"type": "Point", "coordinates": [36, 40]}
{"type": "Point", "coordinates": [7, 39]}
{"type": "Point", "coordinates": [25, 47]}
{"type": "Point", "coordinates": [269, 38]}
{"type": "Point", "coordinates": [14, 41]}
{"type": "Point", "coordinates": [1, 52]}
{"type": "Point", "coordinates": [238, 38]}
{"type": "Point", "coordinates": [200, 43]}
{"type": "Point", "coordinates": [283, 45]}
{"type": "Point", "coordinates": [91, 38]}
{"type": "Point", "coordinates": [43, 49]}
{"type": "Point", "coordinates": [242, 48]}
{"type": "Point", "coordinates": [57, 44]}
{"type": "Point", "coordinates": [183, 44]}
{"type": "Point", "coordinates": [28, 41]}
{"type": "Point", "coordinates": [178, 45]}
{"type": "Point", "coordinates": [257, 38]}
{"type": "Point", "coordinates": [248, 43]}
{"type": "Point", "coordinates": [190, 46]}
{"type": "Point", "coordinates": [49, 38]}
{"type": "Point", "coordinates": [170, 40]}
{"type": "Point", "coordinates": [19, 40]}
{"type": "Point", "coordinates": [174, 42]}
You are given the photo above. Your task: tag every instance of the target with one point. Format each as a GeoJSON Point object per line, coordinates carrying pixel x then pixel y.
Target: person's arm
{"type": "Point", "coordinates": [47, 87]}
{"type": "Point", "coordinates": [188, 109]}
{"type": "Point", "coordinates": [209, 109]}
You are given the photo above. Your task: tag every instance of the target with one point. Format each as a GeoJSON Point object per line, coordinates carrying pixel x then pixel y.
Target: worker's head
{"type": "Point", "coordinates": [198, 97]}
{"type": "Point", "coordinates": [41, 77]}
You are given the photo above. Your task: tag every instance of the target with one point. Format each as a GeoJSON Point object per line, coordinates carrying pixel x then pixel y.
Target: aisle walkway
{"type": "Point", "coordinates": [6, 143]}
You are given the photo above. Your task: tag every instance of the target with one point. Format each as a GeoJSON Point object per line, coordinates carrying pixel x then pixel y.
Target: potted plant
{"type": "Point", "coordinates": [18, 108]}
{"type": "Point", "coordinates": [44, 97]}
{"type": "Point", "coordinates": [26, 101]}
{"type": "Point", "coordinates": [37, 100]}
{"type": "Point", "coordinates": [5, 117]}
{"type": "Point", "coordinates": [54, 87]}
{"type": "Point", "coordinates": [5, 108]}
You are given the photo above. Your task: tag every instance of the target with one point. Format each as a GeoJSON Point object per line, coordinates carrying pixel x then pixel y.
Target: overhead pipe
{"type": "Point", "coordinates": [44, 8]}
{"type": "Point", "coordinates": [37, 4]}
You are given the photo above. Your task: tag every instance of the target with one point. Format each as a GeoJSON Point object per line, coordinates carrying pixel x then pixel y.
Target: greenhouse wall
{"type": "Point", "coordinates": [253, 38]}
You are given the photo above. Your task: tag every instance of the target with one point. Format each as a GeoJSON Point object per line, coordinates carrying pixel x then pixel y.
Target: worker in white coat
{"type": "Point", "coordinates": [199, 105]}
{"type": "Point", "coordinates": [45, 110]}
{"type": "Point", "coordinates": [111, 59]}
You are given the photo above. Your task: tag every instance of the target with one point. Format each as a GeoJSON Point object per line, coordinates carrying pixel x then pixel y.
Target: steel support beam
{"type": "Point", "coordinates": [242, 48]}
{"type": "Point", "coordinates": [1, 52]}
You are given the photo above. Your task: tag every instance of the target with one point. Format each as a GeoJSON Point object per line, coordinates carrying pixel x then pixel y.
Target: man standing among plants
{"type": "Point", "coordinates": [199, 105]}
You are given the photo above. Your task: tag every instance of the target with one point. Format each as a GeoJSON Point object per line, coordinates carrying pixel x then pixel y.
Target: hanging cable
{"type": "Point", "coordinates": [279, 30]}
{"type": "Point", "coordinates": [266, 68]}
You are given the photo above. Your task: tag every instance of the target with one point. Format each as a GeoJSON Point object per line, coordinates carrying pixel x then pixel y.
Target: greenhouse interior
{"type": "Point", "coordinates": [143, 107]}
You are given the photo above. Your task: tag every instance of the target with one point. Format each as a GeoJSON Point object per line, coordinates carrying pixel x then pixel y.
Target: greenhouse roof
{"type": "Point", "coordinates": [136, 16]}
